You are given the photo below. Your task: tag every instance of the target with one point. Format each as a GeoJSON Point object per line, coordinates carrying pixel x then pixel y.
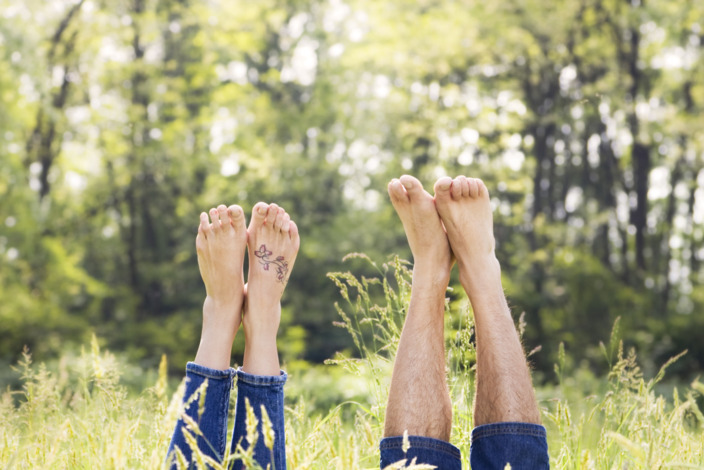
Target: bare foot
{"type": "Point", "coordinates": [504, 390]}
{"type": "Point", "coordinates": [273, 245]}
{"type": "Point", "coordinates": [419, 401]}
{"type": "Point", "coordinates": [465, 210]}
{"type": "Point", "coordinates": [424, 230]}
{"type": "Point", "coordinates": [220, 245]}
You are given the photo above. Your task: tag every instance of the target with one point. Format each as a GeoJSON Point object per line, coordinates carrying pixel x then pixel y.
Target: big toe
{"type": "Point", "coordinates": [442, 189]}
{"type": "Point", "coordinates": [236, 217]}
{"type": "Point", "coordinates": [397, 192]}
{"type": "Point", "coordinates": [258, 214]}
{"type": "Point", "coordinates": [413, 187]}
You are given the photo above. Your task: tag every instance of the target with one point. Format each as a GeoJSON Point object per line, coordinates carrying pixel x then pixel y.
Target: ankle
{"type": "Point", "coordinates": [261, 337]}
{"type": "Point", "coordinates": [261, 357]}
{"type": "Point", "coordinates": [220, 337]}
{"type": "Point", "coordinates": [261, 326]}
{"type": "Point", "coordinates": [480, 273]}
{"type": "Point", "coordinates": [432, 273]}
{"type": "Point", "coordinates": [214, 350]}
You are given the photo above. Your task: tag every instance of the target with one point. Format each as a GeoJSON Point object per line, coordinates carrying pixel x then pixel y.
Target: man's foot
{"type": "Point", "coordinates": [220, 245]}
{"type": "Point", "coordinates": [419, 367]}
{"type": "Point", "coordinates": [273, 245]}
{"type": "Point", "coordinates": [465, 209]}
{"type": "Point", "coordinates": [424, 230]}
{"type": "Point", "coordinates": [504, 390]}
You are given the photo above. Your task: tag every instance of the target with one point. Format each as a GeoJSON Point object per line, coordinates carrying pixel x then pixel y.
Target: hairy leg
{"type": "Point", "coordinates": [220, 245]}
{"type": "Point", "coordinates": [419, 400]}
{"type": "Point", "coordinates": [504, 388]}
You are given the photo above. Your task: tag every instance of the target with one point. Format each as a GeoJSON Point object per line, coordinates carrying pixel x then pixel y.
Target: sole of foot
{"type": "Point", "coordinates": [465, 209]}
{"type": "Point", "coordinates": [421, 222]}
{"type": "Point", "coordinates": [220, 245]}
{"type": "Point", "coordinates": [273, 243]}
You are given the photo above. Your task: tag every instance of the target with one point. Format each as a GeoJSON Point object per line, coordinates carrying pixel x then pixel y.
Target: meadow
{"type": "Point", "coordinates": [93, 409]}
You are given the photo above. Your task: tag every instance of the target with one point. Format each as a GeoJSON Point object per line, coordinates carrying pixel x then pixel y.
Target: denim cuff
{"type": "Point", "coordinates": [209, 373]}
{"type": "Point", "coordinates": [420, 442]}
{"type": "Point", "coordinates": [519, 429]}
{"type": "Point", "coordinates": [260, 380]}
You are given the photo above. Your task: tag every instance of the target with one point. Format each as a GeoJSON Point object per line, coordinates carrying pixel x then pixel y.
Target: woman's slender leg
{"type": "Point", "coordinates": [273, 245]}
{"type": "Point", "coordinates": [220, 245]}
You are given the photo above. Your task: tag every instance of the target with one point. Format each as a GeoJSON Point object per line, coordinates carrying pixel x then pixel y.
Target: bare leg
{"type": "Point", "coordinates": [504, 388]}
{"type": "Point", "coordinates": [220, 245]}
{"type": "Point", "coordinates": [273, 245]}
{"type": "Point", "coordinates": [419, 401]}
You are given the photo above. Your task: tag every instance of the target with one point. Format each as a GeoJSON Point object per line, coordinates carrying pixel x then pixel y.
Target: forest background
{"type": "Point", "coordinates": [120, 121]}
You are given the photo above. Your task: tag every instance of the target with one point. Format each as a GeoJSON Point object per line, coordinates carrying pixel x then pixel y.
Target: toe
{"type": "Point", "coordinates": [473, 187]}
{"type": "Point", "coordinates": [223, 217]}
{"type": "Point", "coordinates": [397, 192]}
{"type": "Point", "coordinates": [279, 220]}
{"type": "Point", "coordinates": [464, 184]}
{"type": "Point", "coordinates": [456, 188]}
{"type": "Point", "coordinates": [236, 216]}
{"type": "Point", "coordinates": [293, 233]}
{"type": "Point", "coordinates": [481, 188]}
{"type": "Point", "coordinates": [204, 226]}
{"type": "Point", "coordinates": [271, 214]}
{"type": "Point", "coordinates": [258, 214]}
{"type": "Point", "coordinates": [215, 220]}
{"type": "Point", "coordinates": [286, 224]}
{"type": "Point", "coordinates": [442, 188]}
{"type": "Point", "coordinates": [414, 188]}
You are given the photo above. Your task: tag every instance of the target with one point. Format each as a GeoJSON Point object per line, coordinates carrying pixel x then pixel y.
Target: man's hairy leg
{"type": "Point", "coordinates": [504, 388]}
{"type": "Point", "coordinates": [419, 401]}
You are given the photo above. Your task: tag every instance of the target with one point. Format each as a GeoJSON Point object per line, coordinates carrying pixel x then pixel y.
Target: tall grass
{"type": "Point", "coordinates": [79, 414]}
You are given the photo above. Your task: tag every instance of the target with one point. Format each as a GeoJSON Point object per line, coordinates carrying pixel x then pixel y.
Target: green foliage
{"type": "Point", "coordinates": [121, 121]}
{"type": "Point", "coordinates": [80, 415]}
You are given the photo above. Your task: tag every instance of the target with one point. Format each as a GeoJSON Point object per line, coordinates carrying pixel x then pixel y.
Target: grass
{"type": "Point", "coordinates": [79, 414]}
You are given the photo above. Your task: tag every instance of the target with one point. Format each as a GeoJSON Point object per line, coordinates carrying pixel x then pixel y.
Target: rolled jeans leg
{"type": "Point", "coordinates": [522, 445]}
{"type": "Point", "coordinates": [267, 391]}
{"type": "Point", "coordinates": [208, 412]}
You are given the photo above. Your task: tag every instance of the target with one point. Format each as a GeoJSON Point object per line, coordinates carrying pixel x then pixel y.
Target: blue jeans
{"type": "Point", "coordinates": [522, 445]}
{"type": "Point", "coordinates": [206, 402]}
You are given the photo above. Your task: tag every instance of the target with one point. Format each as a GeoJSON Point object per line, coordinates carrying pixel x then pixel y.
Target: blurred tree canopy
{"type": "Point", "coordinates": [120, 121]}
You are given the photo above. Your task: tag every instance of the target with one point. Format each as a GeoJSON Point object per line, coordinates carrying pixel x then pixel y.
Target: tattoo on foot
{"type": "Point", "coordinates": [281, 264]}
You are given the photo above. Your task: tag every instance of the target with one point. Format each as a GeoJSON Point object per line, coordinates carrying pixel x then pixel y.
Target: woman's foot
{"type": "Point", "coordinates": [273, 245]}
{"type": "Point", "coordinates": [220, 245]}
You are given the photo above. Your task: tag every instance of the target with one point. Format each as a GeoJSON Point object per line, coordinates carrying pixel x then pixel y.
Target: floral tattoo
{"type": "Point", "coordinates": [281, 265]}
